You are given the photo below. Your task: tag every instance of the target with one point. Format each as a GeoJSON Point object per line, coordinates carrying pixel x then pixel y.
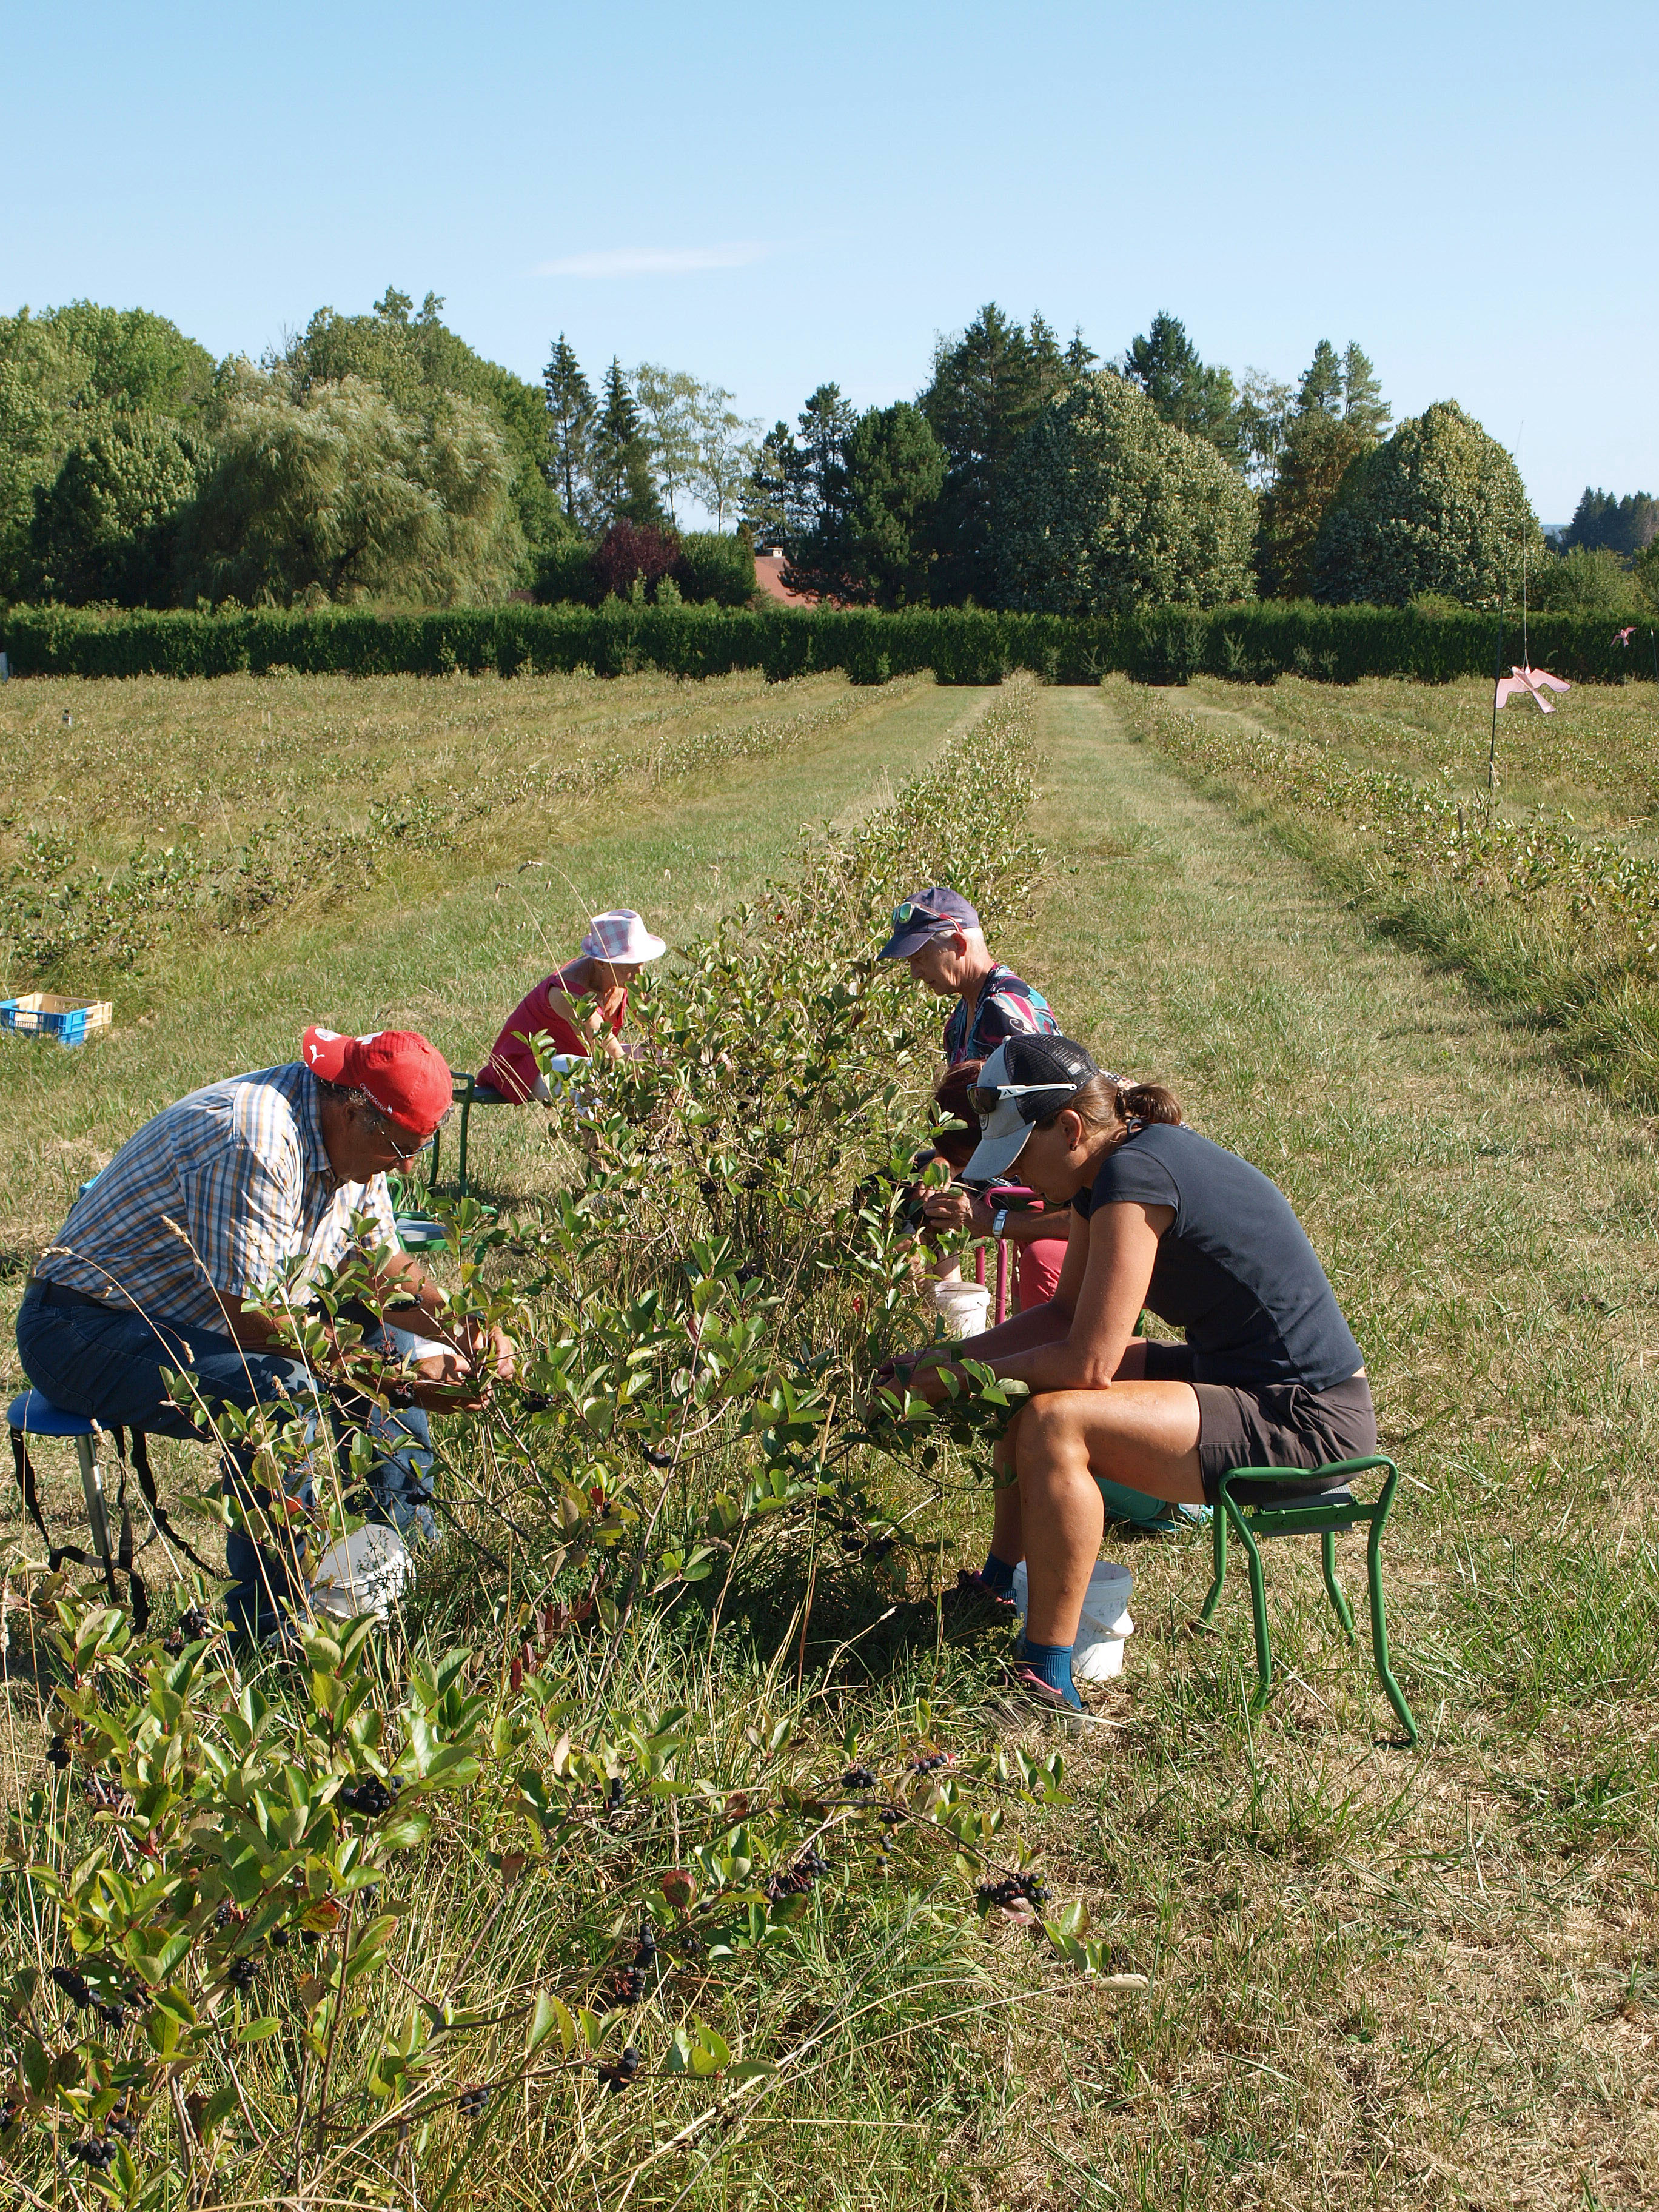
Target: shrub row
{"type": "Point", "coordinates": [1251, 642]}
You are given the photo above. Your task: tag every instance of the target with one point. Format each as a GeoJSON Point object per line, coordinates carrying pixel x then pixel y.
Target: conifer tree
{"type": "Point", "coordinates": [570, 415]}
{"type": "Point", "coordinates": [1186, 390]}
{"type": "Point", "coordinates": [1363, 403]}
{"type": "Point", "coordinates": [1320, 389]}
{"type": "Point", "coordinates": [623, 487]}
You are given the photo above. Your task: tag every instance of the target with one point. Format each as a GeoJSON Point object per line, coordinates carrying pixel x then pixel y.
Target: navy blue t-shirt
{"type": "Point", "coordinates": [1235, 1268]}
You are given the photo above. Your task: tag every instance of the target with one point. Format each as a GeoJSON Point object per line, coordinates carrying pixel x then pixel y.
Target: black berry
{"type": "Point", "coordinates": [96, 2151]}
{"type": "Point", "coordinates": [795, 1880]}
{"type": "Point", "coordinates": [367, 1795]}
{"type": "Point", "coordinates": [858, 1777]}
{"type": "Point", "coordinates": [72, 1984]}
{"type": "Point", "coordinates": [617, 2078]}
{"type": "Point", "coordinates": [471, 2102]}
{"type": "Point", "coordinates": [240, 1973]}
{"type": "Point", "coordinates": [58, 1752]}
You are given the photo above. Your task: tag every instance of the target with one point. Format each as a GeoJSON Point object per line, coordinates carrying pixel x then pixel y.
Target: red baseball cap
{"type": "Point", "coordinates": [406, 1075]}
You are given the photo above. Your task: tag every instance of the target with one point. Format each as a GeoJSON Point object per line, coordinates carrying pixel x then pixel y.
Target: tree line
{"type": "Point", "coordinates": [377, 457]}
{"type": "Point", "coordinates": [1027, 474]}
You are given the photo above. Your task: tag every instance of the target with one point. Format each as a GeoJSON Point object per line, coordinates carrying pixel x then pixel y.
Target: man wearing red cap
{"type": "Point", "coordinates": [161, 1257]}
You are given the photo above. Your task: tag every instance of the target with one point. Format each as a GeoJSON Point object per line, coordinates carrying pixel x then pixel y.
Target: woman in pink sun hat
{"type": "Point", "coordinates": [616, 946]}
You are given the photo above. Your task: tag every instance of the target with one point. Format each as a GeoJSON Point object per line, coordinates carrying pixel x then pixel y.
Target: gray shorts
{"type": "Point", "coordinates": [1284, 1425]}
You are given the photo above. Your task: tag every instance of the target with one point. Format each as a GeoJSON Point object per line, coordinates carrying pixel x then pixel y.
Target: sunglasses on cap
{"type": "Point", "coordinates": [911, 910]}
{"type": "Point", "coordinates": [1032, 1102]}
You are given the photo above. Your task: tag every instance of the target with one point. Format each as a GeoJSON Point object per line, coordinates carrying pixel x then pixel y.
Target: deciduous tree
{"type": "Point", "coordinates": [1318, 449]}
{"type": "Point", "coordinates": [341, 497]}
{"type": "Point", "coordinates": [726, 453]}
{"type": "Point", "coordinates": [1439, 508]}
{"type": "Point", "coordinates": [104, 528]}
{"type": "Point", "coordinates": [412, 356]}
{"type": "Point", "coordinates": [669, 401]}
{"type": "Point", "coordinates": [1107, 506]}
{"type": "Point", "coordinates": [1265, 409]}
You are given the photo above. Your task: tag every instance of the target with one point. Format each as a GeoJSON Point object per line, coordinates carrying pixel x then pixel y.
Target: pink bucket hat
{"type": "Point", "coordinates": [622, 936]}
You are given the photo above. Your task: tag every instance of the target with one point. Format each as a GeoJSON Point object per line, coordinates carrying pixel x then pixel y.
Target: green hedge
{"type": "Point", "coordinates": [1252, 643]}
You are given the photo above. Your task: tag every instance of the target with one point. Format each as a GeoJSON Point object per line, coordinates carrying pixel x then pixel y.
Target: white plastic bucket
{"type": "Point", "coordinates": [964, 1308]}
{"type": "Point", "coordinates": [1105, 1622]}
{"type": "Point", "coordinates": [365, 1572]}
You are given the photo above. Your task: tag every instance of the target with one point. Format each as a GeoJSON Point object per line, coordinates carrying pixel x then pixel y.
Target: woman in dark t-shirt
{"type": "Point", "coordinates": [1269, 1376]}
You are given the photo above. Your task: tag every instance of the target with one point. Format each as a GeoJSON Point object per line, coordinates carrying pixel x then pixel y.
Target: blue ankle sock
{"type": "Point", "coordinates": [1051, 1663]}
{"type": "Point", "coordinates": [997, 1575]}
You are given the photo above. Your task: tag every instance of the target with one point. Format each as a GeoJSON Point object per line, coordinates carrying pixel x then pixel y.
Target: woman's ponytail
{"type": "Point", "coordinates": [1149, 1102]}
{"type": "Point", "coordinates": [1107, 1107]}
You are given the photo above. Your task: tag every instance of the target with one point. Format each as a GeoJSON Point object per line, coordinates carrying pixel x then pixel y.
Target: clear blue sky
{"type": "Point", "coordinates": [776, 196]}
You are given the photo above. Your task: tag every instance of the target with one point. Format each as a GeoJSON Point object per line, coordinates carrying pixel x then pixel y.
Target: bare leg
{"type": "Point", "coordinates": [1143, 1434]}
{"type": "Point", "coordinates": [1007, 1536]}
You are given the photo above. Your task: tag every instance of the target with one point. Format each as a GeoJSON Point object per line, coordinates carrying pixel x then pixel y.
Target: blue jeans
{"type": "Point", "coordinates": [107, 1364]}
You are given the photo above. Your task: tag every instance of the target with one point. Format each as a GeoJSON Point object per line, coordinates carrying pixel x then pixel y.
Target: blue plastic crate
{"type": "Point", "coordinates": [43, 1014]}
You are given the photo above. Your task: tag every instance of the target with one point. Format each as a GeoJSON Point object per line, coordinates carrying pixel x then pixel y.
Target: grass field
{"type": "Point", "coordinates": [1374, 1977]}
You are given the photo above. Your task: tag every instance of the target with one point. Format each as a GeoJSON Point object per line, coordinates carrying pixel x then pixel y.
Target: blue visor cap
{"type": "Point", "coordinates": [924, 915]}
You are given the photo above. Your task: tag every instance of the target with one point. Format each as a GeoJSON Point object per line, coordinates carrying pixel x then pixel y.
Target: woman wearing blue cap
{"type": "Point", "coordinates": [1162, 1219]}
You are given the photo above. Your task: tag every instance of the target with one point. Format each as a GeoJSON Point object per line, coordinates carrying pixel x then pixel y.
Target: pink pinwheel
{"type": "Point", "coordinates": [1528, 684]}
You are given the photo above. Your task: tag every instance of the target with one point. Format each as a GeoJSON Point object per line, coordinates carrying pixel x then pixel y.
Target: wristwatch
{"type": "Point", "coordinates": [999, 1221]}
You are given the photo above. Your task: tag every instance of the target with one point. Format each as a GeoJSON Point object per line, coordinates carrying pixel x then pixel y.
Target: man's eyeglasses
{"type": "Point", "coordinates": [388, 1131]}
{"type": "Point", "coordinates": [1034, 1101]}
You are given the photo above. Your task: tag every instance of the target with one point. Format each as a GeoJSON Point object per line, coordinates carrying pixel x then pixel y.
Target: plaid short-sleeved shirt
{"type": "Point", "coordinates": [1006, 1008]}
{"type": "Point", "coordinates": [241, 1167]}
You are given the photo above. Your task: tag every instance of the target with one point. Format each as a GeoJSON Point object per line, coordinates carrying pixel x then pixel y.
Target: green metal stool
{"type": "Point", "coordinates": [467, 1092]}
{"type": "Point", "coordinates": [1278, 1515]}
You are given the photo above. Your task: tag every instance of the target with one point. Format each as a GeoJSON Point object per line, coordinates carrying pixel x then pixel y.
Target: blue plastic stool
{"type": "Point", "coordinates": [32, 1414]}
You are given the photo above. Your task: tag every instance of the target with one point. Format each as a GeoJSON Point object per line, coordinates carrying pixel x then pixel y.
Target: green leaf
{"type": "Point", "coordinates": [403, 1835]}
{"type": "Point", "coordinates": [549, 2016]}
{"type": "Point", "coordinates": [256, 2031]}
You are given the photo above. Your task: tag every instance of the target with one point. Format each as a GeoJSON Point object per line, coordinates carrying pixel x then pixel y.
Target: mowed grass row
{"type": "Point", "coordinates": [1381, 1979]}
{"type": "Point", "coordinates": [1525, 859]}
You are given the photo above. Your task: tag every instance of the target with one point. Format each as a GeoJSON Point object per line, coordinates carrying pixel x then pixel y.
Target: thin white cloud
{"type": "Point", "coordinates": [656, 260]}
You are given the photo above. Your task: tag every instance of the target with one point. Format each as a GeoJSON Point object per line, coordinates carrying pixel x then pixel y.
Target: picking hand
{"type": "Point", "coordinates": [956, 1208]}
{"type": "Point", "coordinates": [492, 1348]}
